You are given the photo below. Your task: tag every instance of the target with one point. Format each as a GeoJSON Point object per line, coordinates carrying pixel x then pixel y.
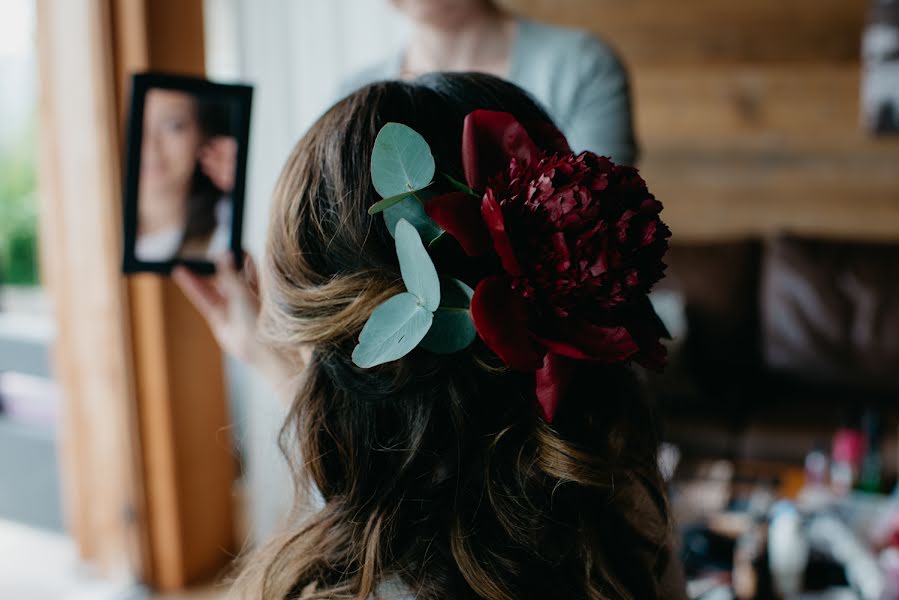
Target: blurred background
{"type": "Point", "coordinates": [767, 128]}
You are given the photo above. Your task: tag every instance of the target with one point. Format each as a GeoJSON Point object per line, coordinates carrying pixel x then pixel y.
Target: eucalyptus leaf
{"type": "Point", "coordinates": [455, 294]}
{"type": "Point", "coordinates": [459, 185]}
{"type": "Point", "coordinates": [386, 203]}
{"type": "Point", "coordinates": [401, 161]}
{"type": "Point", "coordinates": [416, 266]}
{"type": "Point", "coordinates": [394, 329]}
{"type": "Point", "coordinates": [453, 329]}
{"type": "Point", "coordinates": [411, 209]}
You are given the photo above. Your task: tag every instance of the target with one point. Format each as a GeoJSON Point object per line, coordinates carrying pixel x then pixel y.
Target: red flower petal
{"type": "Point", "coordinates": [548, 137]}
{"type": "Point", "coordinates": [490, 140]}
{"type": "Point", "coordinates": [496, 226]}
{"type": "Point", "coordinates": [585, 341]}
{"type": "Point", "coordinates": [646, 328]}
{"type": "Point", "coordinates": [552, 381]}
{"type": "Point", "coordinates": [501, 319]}
{"type": "Point", "coordinates": [460, 215]}
{"type": "Point", "coordinates": [563, 348]}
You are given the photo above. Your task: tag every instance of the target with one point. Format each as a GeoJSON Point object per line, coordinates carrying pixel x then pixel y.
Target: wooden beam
{"type": "Point", "coordinates": [752, 148]}
{"type": "Point", "coordinates": [187, 450]}
{"type": "Point", "coordinates": [749, 104]}
{"type": "Point", "coordinates": [652, 32]}
{"type": "Point", "coordinates": [718, 196]}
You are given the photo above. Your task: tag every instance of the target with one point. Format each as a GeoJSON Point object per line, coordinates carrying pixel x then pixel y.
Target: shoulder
{"type": "Point", "coordinates": [579, 48]}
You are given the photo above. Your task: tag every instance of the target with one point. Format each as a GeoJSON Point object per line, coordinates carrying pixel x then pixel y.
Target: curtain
{"type": "Point", "coordinates": [295, 53]}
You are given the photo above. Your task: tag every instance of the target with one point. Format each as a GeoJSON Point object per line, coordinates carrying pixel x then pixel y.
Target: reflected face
{"type": "Point", "coordinates": [171, 141]}
{"type": "Point", "coordinates": [441, 13]}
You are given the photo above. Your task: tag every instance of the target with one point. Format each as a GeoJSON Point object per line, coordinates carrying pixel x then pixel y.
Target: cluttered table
{"type": "Point", "coordinates": [760, 530]}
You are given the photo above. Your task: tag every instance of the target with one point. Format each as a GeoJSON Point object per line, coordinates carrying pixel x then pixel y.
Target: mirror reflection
{"type": "Point", "coordinates": [187, 173]}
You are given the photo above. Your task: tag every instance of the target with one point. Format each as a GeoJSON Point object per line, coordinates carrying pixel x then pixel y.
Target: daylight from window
{"type": "Point", "coordinates": [18, 206]}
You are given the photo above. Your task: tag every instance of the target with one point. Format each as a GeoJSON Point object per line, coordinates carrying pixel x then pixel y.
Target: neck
{"type": "Point", "coordinates": [481, 42]}
{"type": "Point", "coordinates": [159, 211]}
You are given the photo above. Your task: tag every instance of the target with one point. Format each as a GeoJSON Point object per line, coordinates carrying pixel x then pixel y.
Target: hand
{"type": "Point", "coordinates": [218, 161]}
{"type": "Point", "coordinates": [229, 302]}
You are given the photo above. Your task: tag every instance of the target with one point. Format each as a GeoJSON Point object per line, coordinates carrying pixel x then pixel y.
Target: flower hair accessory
{"type": "Point", "coordinates": [576, 244]}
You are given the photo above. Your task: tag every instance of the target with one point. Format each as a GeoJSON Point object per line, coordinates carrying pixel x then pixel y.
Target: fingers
{"type": "Point", "coordinates": [221, 149]}
{"type": "Point", "coordinates": [201, 292]}
{"type": "Point", "coordinates": [229, 289]}
{"type": "Point", "coordinates": [221, 175]}
{"type": "Point", "coordinates": [217, 161]}
{"type": "Point", "coordinates": [229, 278]}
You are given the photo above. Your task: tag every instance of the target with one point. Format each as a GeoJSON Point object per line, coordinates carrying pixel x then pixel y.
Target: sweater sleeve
{"type": "Point", "coordinates": [599, 117]}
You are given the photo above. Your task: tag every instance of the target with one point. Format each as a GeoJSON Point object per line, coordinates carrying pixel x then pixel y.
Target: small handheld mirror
{"type": "Point", "coordinates": [185, 172]}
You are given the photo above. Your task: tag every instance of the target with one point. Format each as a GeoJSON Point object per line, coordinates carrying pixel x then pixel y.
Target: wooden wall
{"type": "Point", "coordinates": [187, 456]}
{"type": "Point", "coordinates": [748, 114]}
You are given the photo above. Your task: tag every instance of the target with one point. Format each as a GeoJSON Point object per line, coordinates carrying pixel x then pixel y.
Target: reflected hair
{"type": "Point", "coordinates": [214, 118]}
{"type": "Point", "coordinates": [436, 471]}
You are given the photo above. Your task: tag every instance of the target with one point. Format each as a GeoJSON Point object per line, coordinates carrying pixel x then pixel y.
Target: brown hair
{"type": "Point", "coordinates": [436, 471]}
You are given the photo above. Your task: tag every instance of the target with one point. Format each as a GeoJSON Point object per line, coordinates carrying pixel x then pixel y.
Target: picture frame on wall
{"type": "Point", "coordinates": [880, 69]}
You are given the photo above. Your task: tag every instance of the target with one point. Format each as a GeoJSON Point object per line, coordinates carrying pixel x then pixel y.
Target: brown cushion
{"type": "Point", "coordinates": [830, 312]}
{"type": "Point", "coordinates": [719, 284]}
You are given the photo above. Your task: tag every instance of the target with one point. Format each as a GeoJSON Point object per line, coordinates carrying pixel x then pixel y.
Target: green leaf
{"type": "Point", "coordinates": [411, 209]}
{"type": "Point", "coordinates": [436, 241]}
{"type": "Point", "coordinates": [416, 266]}
{"type": "Point", "coordinates": [386, 203]}
{"type": "Point", "coordinates": [452, 330]}
{"type": "Point", "coordinates": [394, 329]}
{"type": "Point", "coordinates": [401, 161]}
{"type": "Point", "coordinates": [455, 294]}
{"type": "Point", "coordinates": [459, 185]}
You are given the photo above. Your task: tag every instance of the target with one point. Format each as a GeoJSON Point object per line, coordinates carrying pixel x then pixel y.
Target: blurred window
{"type": "Point", "coordinates": [29, 397]}
{"type": "Point", "coordinates": [18, 133]}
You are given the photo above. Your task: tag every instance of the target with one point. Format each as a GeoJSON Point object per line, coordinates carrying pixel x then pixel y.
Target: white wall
{"type": "Point", "coordinates": [295, 53]}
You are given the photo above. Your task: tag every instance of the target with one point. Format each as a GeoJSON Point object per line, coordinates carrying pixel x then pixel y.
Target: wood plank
{"type": "Point", "coordinates": [716, 214]}
{"type": "Point", "coordinates": [690, 31]}
{"type": "Point", "coordinates": [187, 453]}
{"type": "Point", "coordinates": [754, 148]}
{"type": "Point", "coordinates": [719, 195]}
{"type": "Point", "coordinates": [748, 104]}
{"type": "Point", "coordinates": [152, 378]}
{"type": "Point", "coordinates": [174, 33]}
{"type": "Point", "coordinates": [188, 458]}
{"type": "Point", "coordinates": [205, 461]}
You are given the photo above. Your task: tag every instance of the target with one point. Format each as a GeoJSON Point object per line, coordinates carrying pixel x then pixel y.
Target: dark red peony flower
{"type": "Point", "coordinates": [580, 241]}
{"type": "Point", "coordinates": [579, 235]}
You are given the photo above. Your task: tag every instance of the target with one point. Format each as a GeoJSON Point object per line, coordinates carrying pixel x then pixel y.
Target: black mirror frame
{"type": "Point", "coordinates": [242, 96]}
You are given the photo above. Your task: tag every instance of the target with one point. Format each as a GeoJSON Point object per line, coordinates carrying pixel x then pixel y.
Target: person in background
{"type": "Point", "coordinates": [575, 76]}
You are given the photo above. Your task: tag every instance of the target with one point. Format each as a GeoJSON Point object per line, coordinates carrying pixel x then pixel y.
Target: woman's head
{"type": "Point", "coordinates": [175, 192]}
{"type": "Point", "coordinates": [171, 140]}
{"type": "Point", "coordinates": [437, 470]}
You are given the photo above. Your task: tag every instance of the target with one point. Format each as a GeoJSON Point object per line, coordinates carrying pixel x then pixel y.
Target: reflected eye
{"type": "Point", "coordinates": [175, 125]}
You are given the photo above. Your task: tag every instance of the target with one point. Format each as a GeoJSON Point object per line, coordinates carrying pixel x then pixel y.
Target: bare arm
{"type": "Point", "coordinates": [229, 302]}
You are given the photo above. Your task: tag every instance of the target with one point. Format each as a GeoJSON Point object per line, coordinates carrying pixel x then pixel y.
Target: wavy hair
{"type": "Point", "coordinates": [435, 471]}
